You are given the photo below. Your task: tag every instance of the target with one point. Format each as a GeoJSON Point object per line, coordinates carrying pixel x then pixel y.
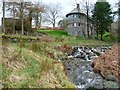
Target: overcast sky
{"type": "Point", "coordinates": [67, 5]}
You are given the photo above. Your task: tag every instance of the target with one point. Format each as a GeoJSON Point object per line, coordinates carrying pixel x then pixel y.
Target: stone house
{"type": "Point", "coordinates": [77, 23]}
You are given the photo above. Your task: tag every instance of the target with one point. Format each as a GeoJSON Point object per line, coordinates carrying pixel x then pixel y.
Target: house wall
{"type": "Point", "coordinates": [77, 25]}
{"type": "Point", "coordinates": [114, 28]}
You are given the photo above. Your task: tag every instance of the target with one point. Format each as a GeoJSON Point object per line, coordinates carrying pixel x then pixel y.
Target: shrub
{"type": "Point", "coordinates": [46, 65]}
{"type": "Point", "coordinates": [36, 47]}
{"type": "Point", "coordinates": [64, 48]}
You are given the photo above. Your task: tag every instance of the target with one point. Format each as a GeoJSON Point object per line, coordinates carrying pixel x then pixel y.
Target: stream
{"type": "Point", "coordinates": [80, 72]}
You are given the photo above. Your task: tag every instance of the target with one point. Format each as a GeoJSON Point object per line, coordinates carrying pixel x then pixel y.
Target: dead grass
{"type": "Point", "coordinates": [31, 68]}
{"type": "Point", "coordinates": [46, 65]}
{"type": "Point", "coordinates": [108, 63]}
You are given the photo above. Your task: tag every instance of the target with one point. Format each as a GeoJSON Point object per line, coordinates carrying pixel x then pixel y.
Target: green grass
{"type": "Point", "coordinates": [54, 32]}
{"type": "Point", "coordinates": [62, 38]}
{"type": "Point", "coordinates": [108, 38]}
{"type": "Point", "coordinates": [36, 65]}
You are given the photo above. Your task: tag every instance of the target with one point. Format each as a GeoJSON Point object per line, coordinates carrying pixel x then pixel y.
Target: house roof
{"type": "Point", "coordinates": [75, 11]}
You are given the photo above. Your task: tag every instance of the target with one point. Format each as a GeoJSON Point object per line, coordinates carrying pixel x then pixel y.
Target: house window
{"type": "Point", "coordinates": [75, 24]}
{"type": "Point", "coordinates": [76, 16]}
{"type": "Point", "coordinates": [68, 24]}
{"type": "Point", "coordinates": [82, 24]}
{"type": "Point", "coordinates": [78, 24]}
{"type": "Point", "coordinates": [72, 24]}
{"type": "Point", "coordinates": [73, 15]}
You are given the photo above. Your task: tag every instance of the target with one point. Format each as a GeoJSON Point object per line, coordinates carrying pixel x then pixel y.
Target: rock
{"type": "Point", "coordinates": [91, 88]}
{"type": "Point", "coordinates": [14, 40]}
{"type": "Point", "coordinates": [80, 81]}
{"type": "Point", "coordinates": [70, 57]}
{"type": "Point", "coordinates": [110, 84]}
{"type": "Point", "coordinates": [96, 83]}
{"type": "Point", "coordinates": [68, 69]}
{"type": "Point", "coordinates": [110, 78]}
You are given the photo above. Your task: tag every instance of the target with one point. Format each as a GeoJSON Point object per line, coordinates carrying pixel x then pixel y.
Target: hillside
{"type": "Point", "coordinates": [28, 66]}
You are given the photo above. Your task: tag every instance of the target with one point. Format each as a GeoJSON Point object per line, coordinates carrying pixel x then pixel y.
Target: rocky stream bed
{"type": "Point", "coordinates": [79, 69]}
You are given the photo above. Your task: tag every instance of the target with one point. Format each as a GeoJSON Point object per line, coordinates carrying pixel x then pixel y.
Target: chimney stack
{"type": "Point", "coordinates": [78, 6]}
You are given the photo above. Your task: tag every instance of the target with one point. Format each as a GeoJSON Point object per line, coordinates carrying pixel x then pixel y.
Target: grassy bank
{"type": "Point", "coordinates": [29, 66]}
{"type": "Point", "coordinates": [62, 37]}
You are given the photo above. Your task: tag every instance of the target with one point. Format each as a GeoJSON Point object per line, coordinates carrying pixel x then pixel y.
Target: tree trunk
{"type": "Point", "coordinates": [97, 34]}
{"type": "Point", "coordinates": [30, 20]}
{"type": "Point", "coordinates": [22, 19]}
{"type": "Point", "coordinates": [96, 28]}
{"type": "Point", "coordinates": [40, 19]}
{"type": "Point", "coordinates": [54, 23]}
{"type": "Point", "coordinates": [13, 17]}
{"type": "Point", "coordinates": [3, 26]}
{"type": "Point", "coordinates": [91, 34]}
{"type": "Point", "coordinates": [87, 9]}
{"type": "Point", "coordinates": [101, 38]}
{"type": "Point", "coordinates": [37, 20]}
{"type": "Point", "coordinates": [118, 21]}
{"type": "Point", "coordinates": [87, 25]}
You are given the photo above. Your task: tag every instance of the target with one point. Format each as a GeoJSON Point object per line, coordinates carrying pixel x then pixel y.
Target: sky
{"type": "Point", "coordinates": [67, 5]}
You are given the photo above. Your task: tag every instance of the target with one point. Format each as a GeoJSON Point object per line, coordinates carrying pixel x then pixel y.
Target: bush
{"type": "Point", "coordinates": [37, 47]}
{"type": "Point", "coordinates": [46, 65]}
{"type": "Point", "coordinates": [34, 47]}
{"type": "Point", "coordinates": [107, 36]}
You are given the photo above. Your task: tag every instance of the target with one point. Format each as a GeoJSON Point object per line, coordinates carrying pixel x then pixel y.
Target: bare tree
{"type": "Point", "coordinates": [87, 7]}
{"type": "Point", "coordinates": [11, 6]}
{"type": "Point", "coordinates": [39, 9]}
{"type": "Point", "coordinates": [26, 11]}
{"type": "Point", "coordinates": [30, 10]}
{"type": "Point", "coordinates": [14, 17]}
{"type": "Point", "coordinates": [22, 17]}
{"type": "Point", "coordinates": [20, 8]}
{"type": "Point", "coordinates": [21, 13]}
{"type": "Point", "coordinates": [53, 13]}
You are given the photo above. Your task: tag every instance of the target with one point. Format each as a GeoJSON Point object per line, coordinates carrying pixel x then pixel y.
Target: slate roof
{"type": "Point", "coordinates": [75, 10]}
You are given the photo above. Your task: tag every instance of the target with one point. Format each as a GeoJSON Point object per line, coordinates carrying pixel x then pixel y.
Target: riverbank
{"type": "Point", "coordinates": [30, 66]}
{"type": "Point", "coordinates": [36, 61]}
{"type": "Point", "coordinates": [108, 64]}
{"type": "Point", "coordinates": [79, 68]}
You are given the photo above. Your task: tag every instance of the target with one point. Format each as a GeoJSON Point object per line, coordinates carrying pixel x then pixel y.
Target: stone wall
{"type": "Point", "coordinates": [75, 31]}
{"type": "Point", "coordinates": [77, 26]}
